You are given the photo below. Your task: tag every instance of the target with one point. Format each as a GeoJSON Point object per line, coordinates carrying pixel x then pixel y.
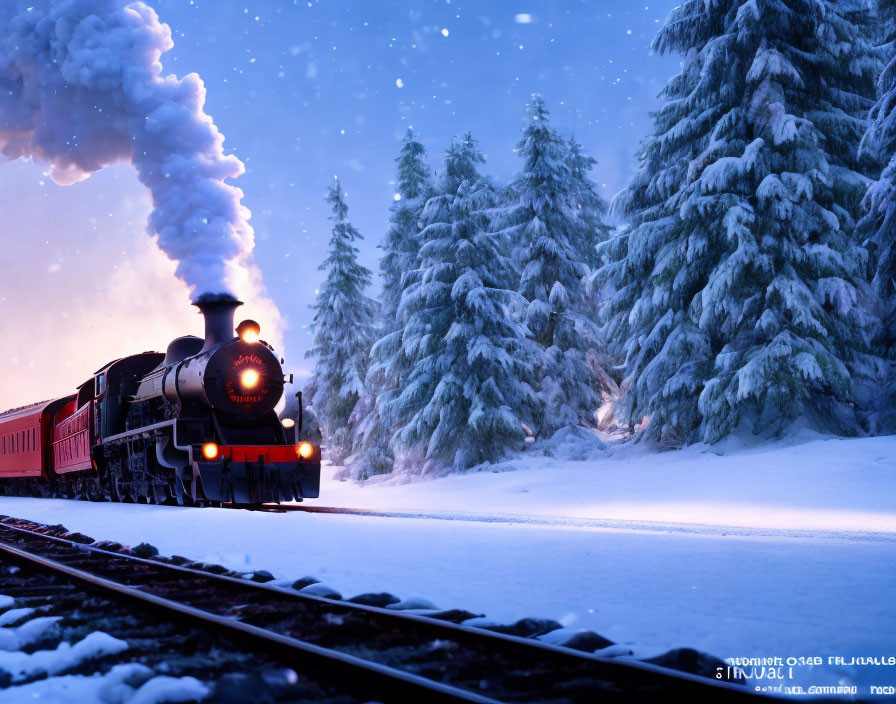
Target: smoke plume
{"type": "Point", "coordinates": [81, 87]}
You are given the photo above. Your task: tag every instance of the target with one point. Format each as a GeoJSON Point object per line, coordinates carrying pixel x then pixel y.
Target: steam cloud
{"type": "Point", "coordinates": [81, 88]}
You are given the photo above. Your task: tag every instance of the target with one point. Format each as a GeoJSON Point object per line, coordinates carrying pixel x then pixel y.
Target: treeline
{"type": "Point", "coordinates": [750, 287]}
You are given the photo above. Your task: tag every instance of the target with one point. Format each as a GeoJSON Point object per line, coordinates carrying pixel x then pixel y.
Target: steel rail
{"type": "Point", "coordinates": [374, 679]}
{"type": "Point", "coordinates": [626, 673]}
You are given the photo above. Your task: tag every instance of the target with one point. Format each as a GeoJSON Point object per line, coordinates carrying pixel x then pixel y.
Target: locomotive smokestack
{"type": "Point", "coordinates": [218, 311]}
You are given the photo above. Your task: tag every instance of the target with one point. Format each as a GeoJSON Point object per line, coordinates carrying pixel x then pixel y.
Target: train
{"type": "Point", "coordinates": [193, 426]}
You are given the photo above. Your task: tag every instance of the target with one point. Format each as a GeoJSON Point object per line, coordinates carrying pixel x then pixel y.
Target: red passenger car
{"type": "Point", "coordinates": [71, 438]}
{"type": "Point", "coordinates": [27, 435]}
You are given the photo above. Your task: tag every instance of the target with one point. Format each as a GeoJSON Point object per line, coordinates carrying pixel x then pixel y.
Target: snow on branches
{"type": "Point", "coordinates": [469, 389]}
{"type": "Point", "coordinates": [735, 287]}
{"type": "Point", "coordinates": [343, 330]}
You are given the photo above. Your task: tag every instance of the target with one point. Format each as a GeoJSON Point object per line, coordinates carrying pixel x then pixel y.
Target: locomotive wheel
{"type": "Point", "coordinates": [140, 491]}
{"type": "Point", "coordinates": [184, 492]}
{"type": "Point", "coordinates": [175, 494]}
{"type": "Point", "coordinates": [108, 487]}
{"type": "Point", "coordinates": [60, 491]}
{"type": "Point", "coordinates": [119, 493]}
{"type": "Point", "coordinates": [198, 492]}
{"type": "Point", "coordinates": [95, 490]}
{"type": "Point", "coordinates": [157, 493]}
{"type": "Point", "coordinates": [131, 495]}
{"type": "Point", "coordinates": [115, 488]}
{"type": "Point", "coordinates": [82, 489]}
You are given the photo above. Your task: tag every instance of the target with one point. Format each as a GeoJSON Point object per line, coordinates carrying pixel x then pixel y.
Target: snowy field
{"type": "Point", "coordinates": [787, 551]}
{"type": "Point", "coordinates": [810, 483]}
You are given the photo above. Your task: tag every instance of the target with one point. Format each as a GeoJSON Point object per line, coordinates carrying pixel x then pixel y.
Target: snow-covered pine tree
{"type": "Point", "coordinates": [372, 441]}
{"type": "Point", "coordinates": [878, 225]}
{"type": "Point", "coordinates": [541, 216]}
{"type": "Point", "coordinates": [398, 266]}
{"type": "Point", "coordinates": [737, 281]}
{"type": "Point", "coordinates": [392, 359]}
{"type": "Point", "coordinates": [401, 245]}
{"type": "Point", "coordinates": [591, 232]}
{"type": "Point", "coordinates": [343, 329]}
{"type": "Point", "coordinates": [469, 390]}
{"type": "Point", "coordinates": [590, 208]}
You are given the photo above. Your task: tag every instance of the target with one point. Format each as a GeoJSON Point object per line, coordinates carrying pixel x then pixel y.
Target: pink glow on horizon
{"type": "Point", "coordinates": [82, 284]}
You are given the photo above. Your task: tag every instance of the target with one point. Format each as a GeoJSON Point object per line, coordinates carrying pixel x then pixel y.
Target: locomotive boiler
{"type": "Point", "coordinates": [193, 426]}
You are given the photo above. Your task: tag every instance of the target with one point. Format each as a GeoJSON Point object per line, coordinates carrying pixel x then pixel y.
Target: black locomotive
{"type": "Point", "coordinates": [193, 426]}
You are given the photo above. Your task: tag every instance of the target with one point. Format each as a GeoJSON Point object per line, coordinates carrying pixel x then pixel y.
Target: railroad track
{"type": "Point", "coordinates": [371, 652]}
{"type": "Point", "coordinates": [51, 609]}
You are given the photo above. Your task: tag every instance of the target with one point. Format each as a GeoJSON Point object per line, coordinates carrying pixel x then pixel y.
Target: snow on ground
{"type": "Point", "coordinates": [822, 484]}
{"type": "Point", "coordinates": [23, 665]}
{"type": "Point", "coordinates": [787, 551]}
{"type": "Point", "coordinates": [40, 675]}
{"type": "Point", "coordinates": [114, 687]}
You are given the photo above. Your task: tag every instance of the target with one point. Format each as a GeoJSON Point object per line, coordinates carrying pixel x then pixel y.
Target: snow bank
{"type": "Point", "coordinates": [121, 685]}
{"type": "Point", "coordinates": [27, 633]}
{"type": "Point", "coordinates": [162, 690]}
{"type": "Point", "coordinates": [807, 483]}
{"type": "Point", "coordinates": [572, 443]}
{"type": "Point", "coordinates": [13, 615]}
{"type": "Point", "coordinates": [23, 665]}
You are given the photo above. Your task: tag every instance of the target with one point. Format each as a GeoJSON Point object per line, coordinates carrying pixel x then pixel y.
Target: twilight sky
{"type": "Point", "coordinates": [303, 91]}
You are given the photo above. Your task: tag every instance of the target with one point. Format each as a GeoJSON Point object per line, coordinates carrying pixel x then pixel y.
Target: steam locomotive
{"type": "Point", "coordinates": [193, 426]}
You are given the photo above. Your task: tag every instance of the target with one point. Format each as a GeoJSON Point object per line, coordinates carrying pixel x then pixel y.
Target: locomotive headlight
{"type": "Point", "coordinates": [288, 423]}
{"type": "Point", "coordinates": [210, 451]}
{"type": "Point", "coordinates": [305, 450]}
{"type": "Point", "coordinates": [249, 378]}
{"type": "Point", "coordinates": [249, 331]}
